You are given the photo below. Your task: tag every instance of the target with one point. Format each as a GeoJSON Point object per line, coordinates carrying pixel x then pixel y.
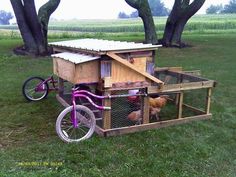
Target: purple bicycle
{"type": "Point", "coordinates": [77, 122]}
{"type": "Point", "coordinates": [37, 88]}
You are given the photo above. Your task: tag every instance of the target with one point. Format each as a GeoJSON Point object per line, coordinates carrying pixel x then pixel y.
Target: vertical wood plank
{"type": "Point", "coordinates": [208, 100]}
{"type": "Point", "coordinates": [60, 86]}
{"type": "Point", "coordinates": [107, 113]}
{"type": "Point", "coordinates": [180, 105]}
{"type": "Point", "coordinates": [146, 116]}
{"type": "Point", "coordinates": [177, 97]}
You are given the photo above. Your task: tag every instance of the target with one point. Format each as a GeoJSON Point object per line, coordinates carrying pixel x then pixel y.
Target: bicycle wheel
{"type": "Point", "coordinates": [85, 128]}
{"type": "Point", "coordinates": [34, 90]}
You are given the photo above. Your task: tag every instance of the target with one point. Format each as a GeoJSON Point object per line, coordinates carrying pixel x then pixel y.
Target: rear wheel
{"type": "Point", "coordinates": [83, 130]}
{"type": "Point", "coordinates": [34, 89]}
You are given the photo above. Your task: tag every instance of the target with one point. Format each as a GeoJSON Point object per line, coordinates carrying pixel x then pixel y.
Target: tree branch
{"type": "Point", "coordinates": [44, 14]}
{"type": "Point", "coordinates": [46, 11]}
{"type": "Point", "coordinates": [134, 3]}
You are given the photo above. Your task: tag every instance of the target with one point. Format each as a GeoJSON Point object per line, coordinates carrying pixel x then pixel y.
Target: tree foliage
{"type": "Point", "coordinates": [134, 14]}
{"type": "Point", "coordinates": [33, 26]}
{"type": "Point", "coordinates": [227, 9]}
{"type": "Point", "coordinates": [123, 15]}
{"type": "Point", "coordinates": [158, 8]}
{"type": "Point", "coordinates": [214, 9]}
{"type": "Point", "coordinates": [230, 8]}
{"type": "Point", "coordinates": [5, 17]}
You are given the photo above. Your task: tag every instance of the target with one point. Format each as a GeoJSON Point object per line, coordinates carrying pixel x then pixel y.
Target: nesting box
{"type": "Point", "coordinates": [76, 68]}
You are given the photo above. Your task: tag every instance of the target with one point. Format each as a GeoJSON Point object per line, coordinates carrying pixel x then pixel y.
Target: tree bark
{"type": "Point", "coordinates": [182, 11]}
{"type": "Point", "coordinates": [145, 14]}
{"type": "Point", "coordinates": [32, 28]}
{"type": "Point", "coordinates": [44, 14]}
{"type": "Point", "coordinates": [28, 39]}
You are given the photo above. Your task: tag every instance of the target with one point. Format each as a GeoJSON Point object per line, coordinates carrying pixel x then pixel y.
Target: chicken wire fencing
{"type": "Point", "coordinates": [126, 111]}
{"type": "Point", "coordinates": [129, 110]}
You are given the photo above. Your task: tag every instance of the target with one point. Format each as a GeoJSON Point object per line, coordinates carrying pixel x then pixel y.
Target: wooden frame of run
{"type": "Point", "coordinates": [123, 67]}
{"type": "Point", "coordinates": [178, 89]}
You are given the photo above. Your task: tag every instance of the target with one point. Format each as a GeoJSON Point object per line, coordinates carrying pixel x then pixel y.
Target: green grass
{"type": "Point", "coordinates": [203, 148]}
{"type": "Point", "coordinates": [198, 23]}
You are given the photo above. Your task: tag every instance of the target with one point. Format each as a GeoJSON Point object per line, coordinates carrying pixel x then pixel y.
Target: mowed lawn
{"type": "Point", "coordinates": [29, 145]}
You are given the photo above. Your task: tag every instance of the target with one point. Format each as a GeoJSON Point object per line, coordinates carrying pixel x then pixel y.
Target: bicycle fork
{"type": "Point", "coordinates": [73, 115]}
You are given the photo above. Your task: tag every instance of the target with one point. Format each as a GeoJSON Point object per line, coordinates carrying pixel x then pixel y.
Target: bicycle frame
{"type": "Point", "coordinates": [50, 80]}
{"type": "Point", "coordinates": [84, 94]}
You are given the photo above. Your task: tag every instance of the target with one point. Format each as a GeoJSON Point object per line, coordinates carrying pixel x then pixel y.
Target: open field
{"type": "Point", "coordinates": [199, 23]}
{"type": "Point", "coordinates": [29, 145]}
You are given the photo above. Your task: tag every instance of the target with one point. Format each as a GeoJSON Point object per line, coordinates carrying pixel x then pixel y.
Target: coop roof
{"type": "Point", "coordinates": [75, 57]}
{"type": "Point", "coordinates": [99, 45]}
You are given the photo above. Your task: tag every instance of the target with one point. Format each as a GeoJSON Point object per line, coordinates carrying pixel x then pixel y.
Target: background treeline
{"type": "Point", "coordinates": [220, 9]}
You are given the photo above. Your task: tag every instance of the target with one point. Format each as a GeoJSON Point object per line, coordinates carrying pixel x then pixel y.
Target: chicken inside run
{"type": "Point", "coordinates": [141, 97]}
{"type": "Point", "coordinates": [155, 106]}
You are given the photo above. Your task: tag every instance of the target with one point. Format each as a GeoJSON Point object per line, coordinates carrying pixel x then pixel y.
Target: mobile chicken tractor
{"type": "Point", "coordinates": [117, 89]}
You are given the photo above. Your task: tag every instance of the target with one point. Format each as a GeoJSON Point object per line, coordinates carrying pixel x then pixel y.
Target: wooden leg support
{"type": "Point", "coordinates": [208, 100]}
{"type": "Point", "coordinates": [180, 105]}
{"type": "Point", "coordinates": [146, 110]}
{"type": "Point", "coordinates": [107, 113]}
{"type": "Point", "coordinates": [60, 86]}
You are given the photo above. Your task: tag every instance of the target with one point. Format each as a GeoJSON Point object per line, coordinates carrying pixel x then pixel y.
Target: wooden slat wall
{"type": "Point", "coordinates": [64, 69]}
{"type": "Point", "coordinates": [88, 72]}
{"type": "Point", "coordinates": [133, 68]}
{"type": "Point", "coordinates": [120, 73]}
{"type": "Point", "coordinates": [80, 73]}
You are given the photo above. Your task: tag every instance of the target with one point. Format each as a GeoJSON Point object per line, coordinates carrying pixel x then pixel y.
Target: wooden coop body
{"type": "Point", "coordinates": [117, 68]}
{"type": "Point", "coordinates": [113, 62]}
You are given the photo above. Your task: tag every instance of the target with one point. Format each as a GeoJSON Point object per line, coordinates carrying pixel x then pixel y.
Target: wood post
{"type": "Point", "coordinates": [107, 113]}
{"type": "Point", "coordinates": [145, 110]}
{"type": "Point", "coordinates": [208, 100]}
{"type": "Point", "coordinates": [60, 86]}
{"type": "Point", "coordinates": [179, 80]}
{"type": "Point", "coordinates": [180, 105]}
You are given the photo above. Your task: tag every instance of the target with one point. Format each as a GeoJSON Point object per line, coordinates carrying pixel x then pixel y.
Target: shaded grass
{"type": "Point", "coordinates": [204, 148]}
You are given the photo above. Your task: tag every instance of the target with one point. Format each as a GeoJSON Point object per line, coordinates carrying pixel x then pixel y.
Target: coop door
{"type": "Point", "coordinates": [105, 69]}
{"type": "Point", "coordinates": [150, 68]}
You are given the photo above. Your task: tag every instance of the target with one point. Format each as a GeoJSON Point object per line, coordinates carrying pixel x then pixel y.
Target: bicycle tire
{"type": "Point", "coordinates": [26, 92]}
{"type": "Point", "coordinates": [82, 111]}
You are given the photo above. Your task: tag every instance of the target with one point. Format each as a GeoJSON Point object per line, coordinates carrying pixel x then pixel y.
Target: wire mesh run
{"type": "Point", "coordinates": [126, 111]}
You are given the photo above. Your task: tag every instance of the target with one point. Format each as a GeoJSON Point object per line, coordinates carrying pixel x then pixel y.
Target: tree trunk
{"type": "Point", "coordinates": [33, 32]}
{"type": "Point", "coordinates": [182, 11]}
{"type": "Point", "coordinates": [28, 39]}
{"type": "Point", "coordinates": [145, 13]}
{"type": "Point", "coordinates": [177, 34]}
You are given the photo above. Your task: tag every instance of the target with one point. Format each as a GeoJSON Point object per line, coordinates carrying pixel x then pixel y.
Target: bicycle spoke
{"type": "Point", "coordinates": [67, 129]}
{"type": "Point", "coordinates": [35, 89]}
{"type": "Point", "coordinates": [30, 90]}
{"type": "Point", "coordinates": [82, 130]}
{"type": "Point", "coordinates": [72, 132]}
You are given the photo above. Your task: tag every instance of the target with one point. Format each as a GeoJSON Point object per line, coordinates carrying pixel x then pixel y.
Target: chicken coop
{"type": "Point", "coordinates": [145, 97]}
